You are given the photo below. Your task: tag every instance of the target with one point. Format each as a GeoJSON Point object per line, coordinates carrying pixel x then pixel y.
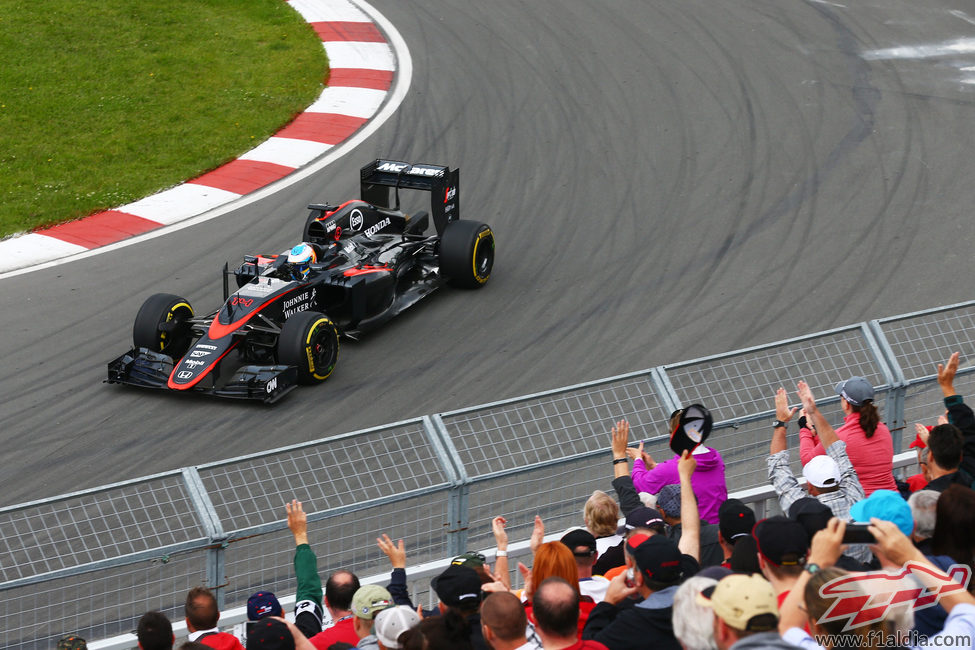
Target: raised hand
{"type": "Point", "coordinates": [395, 552]}
{"type": "Point", "coordinates": [782, 410]}
{"type": "Point", "coordinates": [297, 521]}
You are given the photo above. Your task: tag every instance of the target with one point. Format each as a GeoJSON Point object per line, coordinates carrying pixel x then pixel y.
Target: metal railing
{"type": "Point", "coordinates": [763, 501]}
{"type": "Point", "coordinates": [100, 558]}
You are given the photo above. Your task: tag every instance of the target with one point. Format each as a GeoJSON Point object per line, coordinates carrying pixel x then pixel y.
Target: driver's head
{"type": "Point", "coordinates": [301, 258]}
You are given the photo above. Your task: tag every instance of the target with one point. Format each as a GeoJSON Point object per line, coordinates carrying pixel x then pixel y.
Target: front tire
{"type": "Point", "coordinates": [310, 342]}
{"type": "Point", "coordinates": [163, 325]}
{"type": "Point", "coordinates": [467, 253]}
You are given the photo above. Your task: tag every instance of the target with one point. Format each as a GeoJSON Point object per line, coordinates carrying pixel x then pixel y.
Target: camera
{"type": "Point", "coordinates": [858, 534]}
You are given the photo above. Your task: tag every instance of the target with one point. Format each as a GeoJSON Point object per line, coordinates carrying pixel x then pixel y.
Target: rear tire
{"type": "Point", "coordinates": [467, 253]}
{"type": "Point", "coordinates": [310, 342]}
{"type": "Point", "coordinates": [162, 325]}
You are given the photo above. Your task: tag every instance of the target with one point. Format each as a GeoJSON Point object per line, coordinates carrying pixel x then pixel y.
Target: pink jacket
{"type": "Point", "coordinates": [708, 481]}
{"type": "Point", "coordinates": [872, 458]}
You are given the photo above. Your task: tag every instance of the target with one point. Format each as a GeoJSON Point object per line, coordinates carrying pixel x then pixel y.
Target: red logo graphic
{"type": "Point", "coordinates": [864, 598]}
{"type": "Point", "coordinates": [246, 302]}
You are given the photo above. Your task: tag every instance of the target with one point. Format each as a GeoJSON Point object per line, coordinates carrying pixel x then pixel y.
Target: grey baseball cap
{"type": "Point", "coordinates": [855, 390]}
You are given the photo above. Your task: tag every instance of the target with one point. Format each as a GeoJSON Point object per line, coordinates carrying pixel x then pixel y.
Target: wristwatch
{"type": "Point", "coordinates": [813, 568]}
{"type": "Point", "coordinates": [780, 423]}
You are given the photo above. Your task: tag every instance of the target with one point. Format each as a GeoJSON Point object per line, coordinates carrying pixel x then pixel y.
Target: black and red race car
{"type": "Point", "coordinates": [364, 263]}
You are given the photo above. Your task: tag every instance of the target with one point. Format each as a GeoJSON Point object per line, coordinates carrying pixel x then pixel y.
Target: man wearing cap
{"type": "Point", "coordinates": [270, 633]}
{"type": "Point", "coordinates": [746, 614]}
{"type": "Point", "coordinates": [504, 623]}
{"type": "Point", "coordinates": [868, 441]}
{"type": "Point", "coordinates": [669, 507]}
{"type": "Point", "coordinates": [655, 570]}
{"type": "Point", "coordinates": [782, 548]}
{"type": "Point", "coordinates": [813, 517]}
{"type": "Point", "coordinates": [583, 546]}
{"type": "Point", "coordinates": [202, 615]}
{"type": "Point", "coordinates": [459, 588]}
{"type": "Point", "coordinates": [831, 478]}
{"type": "Point", "coordinates": [613, 561]}
{"type": "Point", "coordinates": [476, 561]}
{"type": "Point", "coordinates": [735, 522]}
{"type": "Point", "coordinates": [368, 601]}
{"type": "Point", "coordinates": [392, 622]}
{"type": "Point", "coordinates": [262, 604]}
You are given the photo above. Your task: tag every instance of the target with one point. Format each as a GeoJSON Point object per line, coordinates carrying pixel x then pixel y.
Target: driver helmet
{"type": "Point", "coordinates": [301, 257]}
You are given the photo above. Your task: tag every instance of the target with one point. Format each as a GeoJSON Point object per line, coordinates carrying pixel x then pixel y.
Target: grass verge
{"type": "Point", "coordinates": [103, 103]}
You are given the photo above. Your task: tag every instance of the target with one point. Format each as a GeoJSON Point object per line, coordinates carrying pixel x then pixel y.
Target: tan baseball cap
{"type": "Point", "coordinates": [369, 600]}
{"type": "Point", "coordinates": [737, 599]}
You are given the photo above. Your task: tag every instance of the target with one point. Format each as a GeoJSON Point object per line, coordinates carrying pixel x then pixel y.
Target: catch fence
{"type": "Point", "coordinates": [92, 562]}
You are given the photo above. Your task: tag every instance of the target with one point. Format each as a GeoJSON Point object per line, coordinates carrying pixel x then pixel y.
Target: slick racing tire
{"type": "Point", "coordinates": [310, 342]}
{"type": "Point", "coordinates": [163, 325]}
{"type": "Point", "coordinates": [467, 253]}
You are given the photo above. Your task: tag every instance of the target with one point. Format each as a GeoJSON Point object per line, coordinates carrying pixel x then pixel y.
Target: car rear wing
{"type": "Point", "coordinates": [443, 184]}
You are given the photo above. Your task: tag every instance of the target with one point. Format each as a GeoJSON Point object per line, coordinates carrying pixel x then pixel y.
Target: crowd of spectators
{"type": "Point", "coordinates": [857, 558]}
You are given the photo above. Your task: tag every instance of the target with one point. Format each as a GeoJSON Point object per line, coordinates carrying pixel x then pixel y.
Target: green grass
{"type": "Point", "coordinates": [105, 102]}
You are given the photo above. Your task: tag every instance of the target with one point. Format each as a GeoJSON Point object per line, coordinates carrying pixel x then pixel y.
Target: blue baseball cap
{"type": "Point", "coordinates": [887, 505]}
{"type": "Point", "coordinates": [262, 604]}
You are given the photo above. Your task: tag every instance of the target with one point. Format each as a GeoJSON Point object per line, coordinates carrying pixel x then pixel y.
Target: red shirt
{"type": "Point", "coordinates": [222, 641]}
{"type": "Point", "coordinates": [781, 599]}
{"type": "Point", "coordinates": [872, 458]}
{"type": "Point", "coordinates": [916, 482]}
{"type": "Point", "coordinates": [341, 631]}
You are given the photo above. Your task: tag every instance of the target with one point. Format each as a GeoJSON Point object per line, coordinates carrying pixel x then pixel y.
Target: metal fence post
{"type": "Point", "coordinates": [457, 500]}
{"type": "Point", "coordinates": [894, 411]}
{"type": "Point", "coordinates": [216, 572]}
{"type": "Point", "coordinates": [215, 561]}
{"type": "Point", "coordinates": [457, 507]}
{"type": "Point", "coordinates": [665, 389]}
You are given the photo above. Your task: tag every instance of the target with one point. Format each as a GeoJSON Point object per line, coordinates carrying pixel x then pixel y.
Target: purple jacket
{"type": "Point", "coordinates": [708, 481]}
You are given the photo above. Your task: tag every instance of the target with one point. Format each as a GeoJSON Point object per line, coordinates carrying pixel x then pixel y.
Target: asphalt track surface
{"type": "Point", "coordinates": [665, 181]}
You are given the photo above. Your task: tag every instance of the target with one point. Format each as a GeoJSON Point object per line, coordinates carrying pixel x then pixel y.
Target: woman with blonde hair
{"type": "Point", "coordinates": [601, 515]}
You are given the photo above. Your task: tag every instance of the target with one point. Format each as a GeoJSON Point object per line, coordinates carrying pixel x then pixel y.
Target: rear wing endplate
{"type": "Point", "coordinates": [443, 184]}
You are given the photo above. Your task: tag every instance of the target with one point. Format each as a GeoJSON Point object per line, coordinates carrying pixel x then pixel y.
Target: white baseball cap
{"type": "Point", "coordinates": [822, 472]}
{"type": "Point", "coordinates": [392, 622]}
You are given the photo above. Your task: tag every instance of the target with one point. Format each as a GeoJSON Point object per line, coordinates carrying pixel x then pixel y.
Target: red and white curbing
{"type": "Point", "coordinates": [362, 64]}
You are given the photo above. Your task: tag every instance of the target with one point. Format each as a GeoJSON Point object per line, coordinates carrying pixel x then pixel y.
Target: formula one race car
{"type": "Point", "coordinates": [359, 264]}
